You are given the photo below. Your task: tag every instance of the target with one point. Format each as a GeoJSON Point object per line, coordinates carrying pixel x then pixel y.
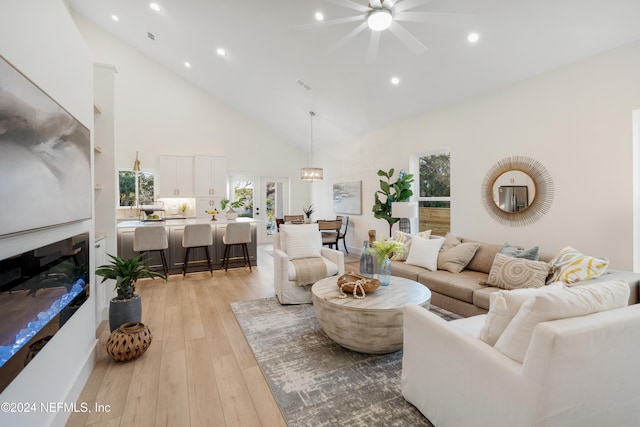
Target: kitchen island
{"type": "Point", "coordinates": [175, 253]}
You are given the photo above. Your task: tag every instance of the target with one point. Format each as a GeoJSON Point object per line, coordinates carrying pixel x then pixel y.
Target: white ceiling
{"type": "Point", "coordinates": [351, 96]}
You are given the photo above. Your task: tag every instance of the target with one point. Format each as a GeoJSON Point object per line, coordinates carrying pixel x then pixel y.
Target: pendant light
{"type": "Point", "coordinates": [311, 173]}
{"type": "Point", "coordinates": [136, 164]}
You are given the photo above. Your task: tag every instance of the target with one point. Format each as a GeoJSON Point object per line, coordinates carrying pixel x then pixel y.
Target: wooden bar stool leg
{"type": "Point", "coordinates": [245, 251]}
{"type": "Point", "coordinates": [186, 261]}
{"type": "Point", "coordinates": [164, 263]}
{"type": "Point", "coordinates": [206, 250]}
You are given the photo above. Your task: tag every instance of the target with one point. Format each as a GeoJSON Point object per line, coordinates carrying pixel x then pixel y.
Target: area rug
{"type": "Point", "coordinates": [315, 381]}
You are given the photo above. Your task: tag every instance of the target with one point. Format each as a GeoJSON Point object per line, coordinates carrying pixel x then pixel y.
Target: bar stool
{"type": "Point", "coordinates": [237, 233]}
{"type": "Point", "coordinates": [152, 238]}
{"type": "Point", "coordinates": [196, 236]}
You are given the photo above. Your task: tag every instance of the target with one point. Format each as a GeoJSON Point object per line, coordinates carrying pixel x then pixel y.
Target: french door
{"type": "Point", "coordinates": [267, 198]}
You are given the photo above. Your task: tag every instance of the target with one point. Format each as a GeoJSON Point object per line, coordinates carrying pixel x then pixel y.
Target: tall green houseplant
{"type": "Point", "coordinates": [398, 191]}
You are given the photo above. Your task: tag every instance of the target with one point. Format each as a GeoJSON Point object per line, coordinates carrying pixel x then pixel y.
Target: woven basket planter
{"type": "Point", "coordinates": [129, 341]}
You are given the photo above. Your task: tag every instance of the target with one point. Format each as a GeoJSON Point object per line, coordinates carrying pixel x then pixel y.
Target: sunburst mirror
{"type": "Point", "coordinates": [517, 191]}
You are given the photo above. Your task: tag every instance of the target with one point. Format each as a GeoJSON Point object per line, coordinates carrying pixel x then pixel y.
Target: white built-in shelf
{"type": "Point", "coordinates": [97, 109]}
{"type": "Point", "coordinates": [97, 148]}
{"type": "Point", "coordinates": [97, 187]}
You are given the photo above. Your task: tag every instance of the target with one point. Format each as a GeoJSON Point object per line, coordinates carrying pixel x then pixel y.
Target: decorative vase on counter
{"type": "Point", "coordinates": [366, 261]}
{"type": "Point", "coordinates": [384, 272]}
{"type": "Point", "coordinates": [231, 214]}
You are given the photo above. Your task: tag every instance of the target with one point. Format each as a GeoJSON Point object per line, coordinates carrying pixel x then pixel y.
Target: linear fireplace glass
{"type": "Point", "coordinates": [39, 292]}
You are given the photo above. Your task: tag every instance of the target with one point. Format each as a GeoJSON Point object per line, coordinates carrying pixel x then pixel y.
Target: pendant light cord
{"type": "Point", "coordinates": [311, 114]}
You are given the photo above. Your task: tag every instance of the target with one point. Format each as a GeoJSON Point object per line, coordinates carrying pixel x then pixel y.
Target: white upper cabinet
{"type": "Point", "coordinates": [211, 176]}
{"type": "Point", "coordinates": [176, 176]}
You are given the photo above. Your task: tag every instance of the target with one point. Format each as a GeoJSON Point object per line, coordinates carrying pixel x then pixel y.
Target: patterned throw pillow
{"type": "Point", "coordinates": [406, 239]}
{"type": "Point", "coordinates": [572, 266]}
{"type": "Point", "coordinates": [516, 252]}
{"type": "Point", "coordinates": [514, 273]}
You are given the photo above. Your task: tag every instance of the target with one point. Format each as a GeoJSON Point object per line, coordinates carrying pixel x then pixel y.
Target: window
{"type": "Point", "coordinates": [131, 191]}
{"type": "Point", "coordinates": [434, 191]}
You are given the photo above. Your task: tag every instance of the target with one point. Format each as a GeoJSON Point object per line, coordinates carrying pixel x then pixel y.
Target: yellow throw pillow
{"type": "Point", "coordinates": [572, 266]}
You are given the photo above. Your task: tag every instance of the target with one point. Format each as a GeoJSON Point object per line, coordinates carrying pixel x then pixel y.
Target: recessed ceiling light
{"type": "Point", "coordinates": [319, 16]}
{"type": "Point", "coordinates": [395, 81]}
{"type": "Point", "coordinates": [115, 18]}
{"type": "Point", "coordinates": [155, 6]}
{"type": "Point", "coordinates": [473, 37]}
{"type": "Point", "coordinates": [220, 51]}
{"type": "Point", "coordinates": [188, 65]}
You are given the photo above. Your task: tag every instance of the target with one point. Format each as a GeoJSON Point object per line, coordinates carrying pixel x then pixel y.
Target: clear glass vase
{"type": "Point", "coordinates": [384, 271]}
{"type": "Point", "coordinates": [366, 261]}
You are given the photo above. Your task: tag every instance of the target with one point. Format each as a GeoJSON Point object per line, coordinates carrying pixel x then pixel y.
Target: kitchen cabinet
{"type": "Point", "coordinates": [210, 177]}
{"type": "Point", "coordinates": [176, 176]}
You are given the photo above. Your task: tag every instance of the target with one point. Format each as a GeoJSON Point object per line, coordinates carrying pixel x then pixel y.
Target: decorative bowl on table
{"type": "Point", "coordinates": [213, 213]}
{"type": "Point", "coordinates": [348, 281]}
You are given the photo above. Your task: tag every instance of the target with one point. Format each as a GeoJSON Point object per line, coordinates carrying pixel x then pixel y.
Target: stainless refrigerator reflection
{"type": "Point", "coordinates": [513, 198]}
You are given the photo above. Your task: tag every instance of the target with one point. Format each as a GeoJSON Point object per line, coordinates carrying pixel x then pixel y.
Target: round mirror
{"type": "Point", "coordinates": [517, 191]}
{"type": "Point", "coordinates": [514, 191]}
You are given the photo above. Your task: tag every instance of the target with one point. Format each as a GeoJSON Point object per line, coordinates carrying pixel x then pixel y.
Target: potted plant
{"type": "Point", "coordinates": [399, 191]}
{"type": "Point", "coordinates": [308, 211]}
{"type": "Point", "coordinates": [127, 305]}
{"type": "Point", "coordinates": [231, 213]}
{"type": "Point", "coordinates": [382, 250]}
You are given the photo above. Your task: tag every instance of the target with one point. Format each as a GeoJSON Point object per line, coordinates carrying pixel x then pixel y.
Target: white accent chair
{"type": "Point", "coordinates": [580, 371]}
{"type": "Point", "coordinates": [286, 287]}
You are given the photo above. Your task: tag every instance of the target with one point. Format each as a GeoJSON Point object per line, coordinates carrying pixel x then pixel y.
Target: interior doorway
{"type": "Point", "coordinates": [267, 198]}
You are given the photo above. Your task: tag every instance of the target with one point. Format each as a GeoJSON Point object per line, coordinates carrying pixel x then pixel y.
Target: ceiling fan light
{"type": "Point", "coordinates": [379, 19]}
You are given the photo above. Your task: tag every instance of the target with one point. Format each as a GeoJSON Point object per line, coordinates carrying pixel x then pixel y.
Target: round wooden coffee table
{"type": "Point", "coordinates": [370, 325]}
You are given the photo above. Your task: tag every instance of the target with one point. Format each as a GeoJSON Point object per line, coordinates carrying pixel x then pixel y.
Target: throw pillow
{"type": "Point", "coordinates": [405, 239]}
{"type": "Point", "coordinates": [513, 273]}
{"type": "Point", "coordinates": [571, 266]}
{"type": "Point", "coordinates": [515, 252]}
{"type": "Point", "coordinates": [303, 243]}
{"type": "Point", "coordinates": [569, 302]}
{"type": "Point", "coordinates": [450, 241]}
{"type": "Point", "coordinates": [424, 253]}
{"type": "Point", "coordinates": [503, 306]}
{"type": "Point", "coordinates": [456, 258]}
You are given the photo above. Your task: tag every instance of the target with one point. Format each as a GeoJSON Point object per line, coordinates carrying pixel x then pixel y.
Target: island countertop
{"type": "Point", "coordinates": [181, 222]}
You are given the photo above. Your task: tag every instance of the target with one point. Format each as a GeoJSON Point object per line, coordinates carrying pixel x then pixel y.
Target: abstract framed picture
{"type": "Point", "coordinates": [347, 197]}
{"type": "Point", "coordinates": [45, 158]}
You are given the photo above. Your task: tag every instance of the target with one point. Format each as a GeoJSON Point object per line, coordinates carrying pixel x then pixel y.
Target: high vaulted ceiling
{"type": "Point", "coordinates": [272, 54]}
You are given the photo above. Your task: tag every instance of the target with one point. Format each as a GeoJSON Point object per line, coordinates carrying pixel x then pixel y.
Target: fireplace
{"type": "Point", "coordinates": [39, 292]}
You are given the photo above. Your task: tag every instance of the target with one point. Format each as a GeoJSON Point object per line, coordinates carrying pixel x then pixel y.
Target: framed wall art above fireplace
{"type": "Point", "coordinates": [45, 158]}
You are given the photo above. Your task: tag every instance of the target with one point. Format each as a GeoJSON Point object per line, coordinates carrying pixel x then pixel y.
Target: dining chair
{"type": "Point", "coordinates": [343, 231]}
{"type": "Point", "coordinates": [330, 230]}
{"type": "Point", "coordinates": [294, 219]}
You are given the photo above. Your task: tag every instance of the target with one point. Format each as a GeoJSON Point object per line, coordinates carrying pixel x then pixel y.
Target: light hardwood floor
{"type": "Point", "coordinates": [199, 369]}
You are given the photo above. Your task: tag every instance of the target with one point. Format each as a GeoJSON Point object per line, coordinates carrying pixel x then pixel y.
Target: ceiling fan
{"type": "Point", "coordinates": [380, 15]}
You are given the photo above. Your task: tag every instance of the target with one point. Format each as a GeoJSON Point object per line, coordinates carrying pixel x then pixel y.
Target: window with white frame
{"type": "Point", "coordinates": [433, 173]}
{"type": "Point", "coordinates": [135, 188]}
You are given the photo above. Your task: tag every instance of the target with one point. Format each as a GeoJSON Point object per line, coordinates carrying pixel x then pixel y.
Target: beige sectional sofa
{"type": "Point", "coordinates": [463, 293]}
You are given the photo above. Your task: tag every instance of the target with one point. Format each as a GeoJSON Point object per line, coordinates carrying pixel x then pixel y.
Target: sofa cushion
{"type": "Point", "coordinates": [517, 252]}
{"type": "Point", "coordinates": [459, 286]}
{"type": "Point", "coordinates": [405, 239]}
{"type": "Point", "coordinates": [293, 227]}
{"type": "Point", "coordinates": [482, 296]}
{"type": "Point", "coordinates": [454, 258]}
{"type": "Point", "coordinates": [504, 306]}
{"type": "Point", "coordinates": [513, 273]}
{"type": "Point", "coordinates": [424, 252]}
{"type": "Point", "coordinates": [402, 269]}
{"type": "Point", "coordinates": [483, 258]}
{"type": "Point", "coordinates": [572, 266]}
{"type": "Point", "coordinates": [569, 302]}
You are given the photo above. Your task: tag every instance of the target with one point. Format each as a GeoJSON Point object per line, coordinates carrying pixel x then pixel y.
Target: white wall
{"type": "Point", "coordinates": [158, 112]}
{"type": "Point", "coordinates": [576, 121]}
{"type": "Point", "coordinates": [48, 49]}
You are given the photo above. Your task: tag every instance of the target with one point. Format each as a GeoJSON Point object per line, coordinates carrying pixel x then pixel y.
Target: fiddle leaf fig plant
{"type": "Point", "coordinates": [398, 191]}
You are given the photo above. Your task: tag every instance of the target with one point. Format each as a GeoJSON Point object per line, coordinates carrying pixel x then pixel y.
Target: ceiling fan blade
{"type": "Point", "coordinates": [434, 18]}
{"type": "Point", "coordinates": [376, 4]}
{"type": "Point", "coordinates": [348, 37]}
{"type": "Point", "coordinates": [407, 38]}
{"type": "Point", "coordinates": [350, 4]}
{"type": "Point", "coordinates": [402, 5]}
{"type": "Point", "coordinates": [388, 4]}
{"type": "Point", "coordinates": [328, 23]}
{"type": "Point", "coordinates": [374, 42]}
